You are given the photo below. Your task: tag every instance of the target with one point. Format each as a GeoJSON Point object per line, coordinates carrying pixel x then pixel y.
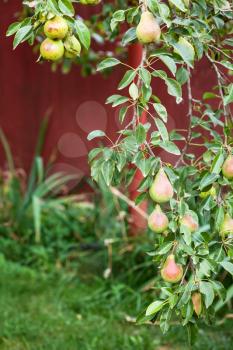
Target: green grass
{"type": "Point", "coordinates": [64, 310]}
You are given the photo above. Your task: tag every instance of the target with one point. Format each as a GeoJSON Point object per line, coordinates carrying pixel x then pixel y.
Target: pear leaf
{"type": "Point", "coordinates": [185, 50]}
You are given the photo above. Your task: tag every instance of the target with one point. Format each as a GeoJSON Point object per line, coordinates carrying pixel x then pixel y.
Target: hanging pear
{"type": "Point", "coordinates": [52, 50]}
{"type": "Point", "coordinates": [171, 272]}
{"type": "Point", "coordinates": [197, 303]}
{"type": "Point", "coordinates": [227, 168]}
{"type": "Point", "coordinates": [158, 221]}
{"type": "Point", "coordinates": [56, 28]}
{"type": "Point", "coordinates": [188, 221]}
{"type": "Point", "coordinates": [226, 227]}
{"type": "Point", "coordinates": [161, 190]}
{"type": "Point", "coordinates": [148, 29]}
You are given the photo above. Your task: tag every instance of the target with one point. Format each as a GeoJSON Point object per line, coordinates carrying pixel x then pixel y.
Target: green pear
{"type": "Point", "coordinates": [227, 168]}
{"type": "Point", "coordinates": [197, 303]}
{"type": "Point", "coordinates": [56, 28]}
{"type": "Point", "coordinates": [52, 50]}
{"type": "Point", "coordinates": [158, 221]}
{"type": "Point", "coordinates": [188, 221]}
{"type": "Point", "coordinates": [226, 227]}
{"type": "Point", "coordinates": [72, 47]}
{"type": "Point", "coordinates": [148, 29]}
{"type": "Point", "coordinates": [171, 272]}
{"type": "Point", "coordinates": [161, 191]}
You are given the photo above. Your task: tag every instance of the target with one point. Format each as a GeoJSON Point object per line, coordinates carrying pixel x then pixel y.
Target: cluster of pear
{"type": "Point", "coordinates": [148, 30]}
{"type": "Point", "coordinates": [161, 191]}
{"type": "Point", "coordinates": [59, 41]}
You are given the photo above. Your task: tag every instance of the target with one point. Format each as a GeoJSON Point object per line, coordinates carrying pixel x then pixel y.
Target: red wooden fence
{"type": "Point", "coordinates": [28, 89]}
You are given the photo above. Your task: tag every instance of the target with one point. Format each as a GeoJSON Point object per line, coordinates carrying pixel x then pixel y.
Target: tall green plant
{"type": "Point", "coordinates": [41, 190]}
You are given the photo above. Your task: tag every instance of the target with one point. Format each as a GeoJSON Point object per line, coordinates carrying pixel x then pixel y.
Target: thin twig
{"type": "Point", "coordinates": [120, 195]}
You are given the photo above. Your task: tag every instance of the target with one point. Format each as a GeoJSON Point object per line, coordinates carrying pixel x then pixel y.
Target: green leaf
{"type": "Point", "coordinates": [185, 50]}
{"type": "Point", "coordinates": [117, 17]}
{"type": "Point", "coordinates": [133, 91]}
{"type": "Point", "coordinates": [93, 153]}
{"type": "Point", "coordinates": [52, 5]}
{"type": "Point", "coordinates": [66, 7]}
{"type": "Point", "coordinates": [122, 113]}
{"type": "Point", "coordinates": [174, 89]}
{"type": "Point", "coordinates": [36, 205]}
{"type": "Point", "coordinates": [146, 76]}
{"type": "Point", "coordinates": [127, 79]}
{"type": "Point", "coordinates": [107, 63]}
{"type": "Point", "coordinates": [164, 248]}
{"type": "Point", "coordinates": [228, 266]}
{"type": "Point", "coordinates": [207, 290]}
{"type": "Point", "coordinates": [107, 170]}
{"type": "Point", "coordinates": [227, 64]}
{"type": "Point", "coordinates": [129, 36]}
{"type": "Point", "coordinates": [154, 307]}
{"type": "Point", "coordinates": [161, 110]}
{"type": "Point", "coordinates": [140, 134]}
{"type": "Point", "coordinates": [217, 163]}
{"type": "Point", "coordinates": [95, 133]}
{"type": "Point", "coordinates": [164, 12]}
{"type": "Point", "coordinates": [117, 100]}
{"type": "Point", "coordinates": [229, 98]}
{"type": "Point", "coordinates": [182, 75]}
{"type": "Point", "coordinates": [186, 295]}
{"type": "Point", "coordinates": [13, 28]}
{"type": "Point", "coordinates": [83, 33]}
{"type": "Point", "coordinates": [179, 4]}
{"type": "Point", "coordinates": [169, 62]}
{"type": "Point", "coordinates": [209, 95]}
{"type": "Point", "coordinates": [207, 180]}
{"type": "Point", "coordinates": [162, 129]}
{"type": "Point", "coordinates": [22, 34]}
{"type": "Point", "coordinates": [170, 147]}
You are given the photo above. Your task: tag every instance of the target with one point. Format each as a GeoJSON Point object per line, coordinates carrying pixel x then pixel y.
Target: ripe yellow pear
{"type": "Point", "coordinates": [227, 168]}
{"type": "Point", "coordinates": [148, 29]}
{"type": "Point", "coordinates": [197, 303]}
{"type": "Point", "coordinates": [56, 28]}
{"type": "Point", "coordinates": [226, 227]}
{"type": "Point", "coordinates": [171, 272]}
{"type": "Point", "coordinates": [161, 191]}
{"type": "Point", "coordinates": [188, 221]}
{"type": "Point", "coordinates": [158, 221]}
{"type": "Point", "coordinates": [52, 50]}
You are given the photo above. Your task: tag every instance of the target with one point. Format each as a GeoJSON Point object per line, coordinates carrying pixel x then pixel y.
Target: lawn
{"type": "Point", "coordinates": [67, 310]}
